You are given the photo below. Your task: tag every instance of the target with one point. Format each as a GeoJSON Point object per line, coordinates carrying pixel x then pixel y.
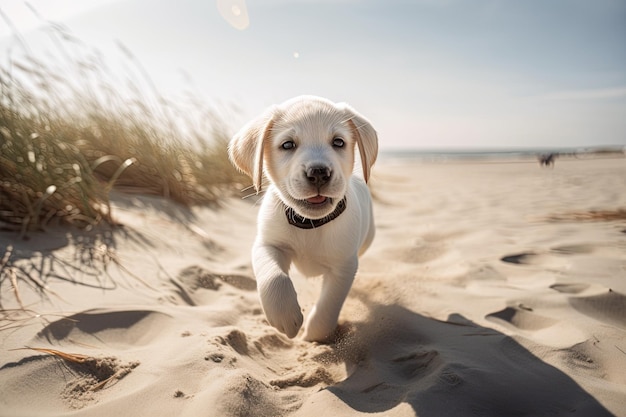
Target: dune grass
{"type": "Point", "coordinates": [71, 130]}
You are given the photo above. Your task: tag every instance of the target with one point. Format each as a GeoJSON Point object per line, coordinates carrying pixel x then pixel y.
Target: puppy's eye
{"type": "Point", "coordinates": [338, 143]}
{"type": "Point", "coordinates": [288, 145]}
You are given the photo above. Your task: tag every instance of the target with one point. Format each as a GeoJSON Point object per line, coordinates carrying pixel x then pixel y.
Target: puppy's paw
{"type": "Point", "coordinates": [319, 327]}
{"type": "Point", "coordinates": [280, 303]}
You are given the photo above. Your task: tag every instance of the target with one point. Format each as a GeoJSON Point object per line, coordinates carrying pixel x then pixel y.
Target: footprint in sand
{"type": "Point", "coordinates": [545, 260]}
{"type": "Point", "coordinates": [195, 285]}
{"type": "Point", "coordinates": [519, 259]}
{"type": "Point", "coordinates": [554, 258]}
{"type": "Point", "coordinates": [196, 277]}
{"type": "Point", "coordinates": [570, 288]}
{"type": "Point", "coordinates": [521, 318]}
{"type": "Point", "coordinates": [114, 328]}
{"type": "Point", "coordinates": [608, 307]}
{"type": "Point", "coordinates": [417, 364]}
{"type": "Point", "coordinates": [573, 249]}
{"type": "Point", "coordinates": [587, 355]}
{"type": "Point", "coordinates": [282, 357]}
{"type": "Point", "coordinates": [237, 340]}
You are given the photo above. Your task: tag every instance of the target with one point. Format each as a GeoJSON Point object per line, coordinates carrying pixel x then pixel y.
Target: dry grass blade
{"type": "Point", "coordinates": [14, 274]}
{"type": "Point", "coordinates": [5, 269]}
{"type": "Point", "coordinates": [100, 370]}
{"type": "Point", "coordinates": [16, 290]}
{"type": "Point", "coordinates": [120, 373]}
{"type": "Point", "coordinates": [18, 318]}
{"type": "Point", "coordinates": [5, 258]}
{"type": "Point", "coordinates": [70, 357]}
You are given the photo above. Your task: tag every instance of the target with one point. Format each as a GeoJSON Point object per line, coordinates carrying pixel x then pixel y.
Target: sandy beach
{"type": "Point", "coordinates": [493, 288]}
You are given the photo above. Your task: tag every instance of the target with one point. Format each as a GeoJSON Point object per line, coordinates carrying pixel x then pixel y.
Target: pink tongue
{"type": "Point", "coordinates": [316, 200]}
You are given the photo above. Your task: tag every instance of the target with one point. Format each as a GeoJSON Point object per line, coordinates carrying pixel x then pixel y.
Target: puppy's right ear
{"type": "Point", "coordinates": [246, 147]}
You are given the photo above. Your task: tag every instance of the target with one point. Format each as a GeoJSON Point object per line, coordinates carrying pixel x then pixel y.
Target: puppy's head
{"type": "Point", "coordinates": [306, 147]}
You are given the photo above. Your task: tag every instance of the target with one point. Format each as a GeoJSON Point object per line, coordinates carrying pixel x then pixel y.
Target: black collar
{"type": "Point", "coordinates": [295, 219]}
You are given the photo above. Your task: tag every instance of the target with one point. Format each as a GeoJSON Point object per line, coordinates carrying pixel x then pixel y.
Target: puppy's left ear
{"type": "Point", "coordinates": [245, 149]}
{"type": "Point", "coordinates": [366, 138]}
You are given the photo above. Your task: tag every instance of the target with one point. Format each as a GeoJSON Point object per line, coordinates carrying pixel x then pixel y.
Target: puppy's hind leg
{"type": "Point", "coordinates": [322, 320]}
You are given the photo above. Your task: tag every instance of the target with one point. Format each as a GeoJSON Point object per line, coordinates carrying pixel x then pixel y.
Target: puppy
{"type": "Point", "coordinates": [315, 214]}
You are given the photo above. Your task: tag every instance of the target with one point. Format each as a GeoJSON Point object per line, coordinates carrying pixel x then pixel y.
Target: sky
{"type": "Point", "coordinates": [428, 74]}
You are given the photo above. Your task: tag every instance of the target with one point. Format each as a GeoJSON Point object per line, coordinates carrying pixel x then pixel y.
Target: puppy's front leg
{"type": "Point", "coordinates": [322, 320]}
{"type": "Point", "coordinates": [276, 291]}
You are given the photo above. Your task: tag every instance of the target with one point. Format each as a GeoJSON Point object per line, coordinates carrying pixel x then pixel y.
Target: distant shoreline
{"type": "Point", "coordinates": [510, 155]}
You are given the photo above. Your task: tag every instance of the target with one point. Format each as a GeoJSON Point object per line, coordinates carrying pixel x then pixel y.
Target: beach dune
{"type": "Point", "coordinates": [493, 288]}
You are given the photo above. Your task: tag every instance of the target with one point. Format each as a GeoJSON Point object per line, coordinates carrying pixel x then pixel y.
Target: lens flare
{"type": "Point", "coordinates": [234, 12]}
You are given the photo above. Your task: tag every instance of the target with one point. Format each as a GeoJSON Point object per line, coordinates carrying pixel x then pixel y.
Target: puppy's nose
{"type": "Point", "coordinates": [318, 175]}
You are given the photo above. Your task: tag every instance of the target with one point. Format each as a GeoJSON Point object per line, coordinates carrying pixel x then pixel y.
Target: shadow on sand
{"type": "Point", "coordinates": [452, 368]}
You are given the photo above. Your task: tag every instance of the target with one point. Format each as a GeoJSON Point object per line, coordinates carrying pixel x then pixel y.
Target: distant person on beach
{"type": "Point", "coordinates": [547, 160]}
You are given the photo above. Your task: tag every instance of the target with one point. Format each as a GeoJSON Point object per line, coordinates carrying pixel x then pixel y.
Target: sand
{"type": "Point", "coordinates": [491, 289]}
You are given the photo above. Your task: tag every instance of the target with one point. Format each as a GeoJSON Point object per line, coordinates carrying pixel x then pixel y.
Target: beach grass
{"type": "Point", "coordinates": [71, 130]}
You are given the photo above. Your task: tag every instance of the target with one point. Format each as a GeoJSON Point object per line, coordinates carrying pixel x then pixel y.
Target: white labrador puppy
{"type": "Point", "coordinates": [315, 214]}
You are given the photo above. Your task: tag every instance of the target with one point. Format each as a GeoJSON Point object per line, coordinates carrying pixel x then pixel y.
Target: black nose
{"type": "Point", "coordinates": [318, 175]}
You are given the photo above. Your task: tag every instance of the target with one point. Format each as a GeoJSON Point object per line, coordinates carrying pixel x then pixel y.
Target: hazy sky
{"type": "Point", "coordinates": [427, 73]}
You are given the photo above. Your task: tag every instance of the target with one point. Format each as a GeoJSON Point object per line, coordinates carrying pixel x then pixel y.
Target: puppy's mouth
{"type": "Point", "coordinates": [313, 207]}
{"type": "Point", "coordinates": [318, 200]}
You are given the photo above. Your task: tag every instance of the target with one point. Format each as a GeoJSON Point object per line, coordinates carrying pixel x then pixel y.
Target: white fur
{"type": "Point", "coordinates": [313, 124]}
